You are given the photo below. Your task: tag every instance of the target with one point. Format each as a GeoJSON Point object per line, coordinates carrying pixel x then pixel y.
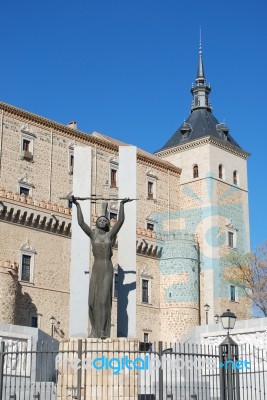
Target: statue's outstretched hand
{"type": "Point", "coordinates": [126, 200]}
{"type": "Point", "coordinates": [73, 199]}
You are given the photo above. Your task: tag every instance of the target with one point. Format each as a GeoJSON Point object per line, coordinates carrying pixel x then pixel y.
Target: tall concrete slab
{"type": "Point", "coordinates": [127, 245]}
{"type": "Point", "coordinates": [80, 245]}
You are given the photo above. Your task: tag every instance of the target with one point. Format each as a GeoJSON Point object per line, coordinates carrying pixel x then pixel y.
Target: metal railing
{"type": "Point", "coordinates": [118, 369]}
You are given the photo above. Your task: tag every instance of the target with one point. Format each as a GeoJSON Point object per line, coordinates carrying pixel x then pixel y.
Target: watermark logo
{"type": "Point", "coordinates": [239, 364]}
{"type": "Point", "coordinates": [146, 363]}
{"type": "Point", "coordinates": [103, 363]}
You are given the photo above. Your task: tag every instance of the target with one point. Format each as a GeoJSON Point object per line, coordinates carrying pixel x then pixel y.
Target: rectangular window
{"type": "Point", "coordinates": [26, 145]}
{"type": "Point", "coordinates": [145, 345]}
{"type": "Point", "coordinates": [113, 216]}
{"type": "Point", "coordinates": [232, 293]}
{"type": "Point", "coordinates": [71, 161]}
{"type": "Point", "coordinates": [220, 171]}
{"type": "Point", "coordinates": [235, 177]}
{"type": "Point", "coordinates": [116, 284]}
{"type": "Point", "coordinates": [150, 187]}
{"type": "Point", "coordinates": [24, 190]}
{"type": "Point", "coordinates": [230, 239]}
{"type": "Point", "coordinates": [70, 203]}
{"type": "Point", "coordinates": [113, 177]}
{"type": "Point", "coordinates": [150, 226]}
{"type": "Point", "coordinates": [195, 171]}
{"type": "Point", "coordinates": [34, 322]}
{"type": "Point", "coordinates": [144, 291]}
{"type": "Point", "coordinates": [26, 268]}
{"type": "Point", "coordinates": [146, 338]}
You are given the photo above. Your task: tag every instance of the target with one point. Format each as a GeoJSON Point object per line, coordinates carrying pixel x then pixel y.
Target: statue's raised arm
{"type": "Point", "coordinates": [80, 218]}
{"type": "Point", "coordinates": [115, 229]}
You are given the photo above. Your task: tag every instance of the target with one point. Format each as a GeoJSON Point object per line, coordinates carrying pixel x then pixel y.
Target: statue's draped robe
{"type": "Point", "coordinates": [100, 289]}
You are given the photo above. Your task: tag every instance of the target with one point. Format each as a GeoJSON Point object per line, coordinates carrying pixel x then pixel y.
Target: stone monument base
{"type": "Point", "coordinates": [97, 369]}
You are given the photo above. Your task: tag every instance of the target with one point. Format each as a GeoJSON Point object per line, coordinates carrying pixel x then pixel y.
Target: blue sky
{"type": "Point", "coordinates": [125, 69]}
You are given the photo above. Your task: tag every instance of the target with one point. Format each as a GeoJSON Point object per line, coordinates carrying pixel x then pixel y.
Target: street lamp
{"type": "Point", "coordinates": [217, 318]}
{"type": "Point", "coordinates": [52, 322]}
{"type": "Point", "coordinates": [228, 320]}
{"type": "Point", "coordinates": [161, 353]}
{"type": "Point", "coordinates": [206, 308]}
{"type": "Point", "coordinates": [228, 356]}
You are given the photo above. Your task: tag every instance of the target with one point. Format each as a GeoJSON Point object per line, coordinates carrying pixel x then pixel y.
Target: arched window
{"type": "Point", "coordinates": [220, 171]}
{"type": "Point", "coordinates": [195, 171]}
{"type": "Point", "coordinates": [235, 177]}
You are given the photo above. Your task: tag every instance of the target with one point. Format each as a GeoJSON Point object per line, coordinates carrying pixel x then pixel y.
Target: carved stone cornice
{"type": "Point", "coordinates": [149, 247]}
{"type": "Point", "coordinates": [201, 142]}
{"type": "Point", "coordinates": [16, 198]}
{"type": "Point", "coordinates": [34, 217]}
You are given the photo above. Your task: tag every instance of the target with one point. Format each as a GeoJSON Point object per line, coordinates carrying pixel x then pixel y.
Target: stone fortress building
{"type": "Point", "coordinates": [192, 211]}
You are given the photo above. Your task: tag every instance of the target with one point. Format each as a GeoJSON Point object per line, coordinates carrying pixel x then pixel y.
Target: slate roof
{"type": "Point", "coordinates": [200, 123]}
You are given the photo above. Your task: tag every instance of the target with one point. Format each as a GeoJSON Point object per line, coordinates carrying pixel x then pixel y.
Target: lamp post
{"type": "Point", "coordinates": [217, 318]}
{"type": "Point", "coordinates": [228, 356]}
{"type": "Point", "coordinates": [228, 320]}
{"type": "Point", "coordinates": [161, 353]}
{"type": "Point", "coordinates": [52, 322]}
{"type": "Point", "coordinates": [206, 308]}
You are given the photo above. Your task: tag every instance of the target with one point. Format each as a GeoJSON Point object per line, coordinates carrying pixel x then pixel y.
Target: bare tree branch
{"type": "Point", "coordinates": [249, 272]}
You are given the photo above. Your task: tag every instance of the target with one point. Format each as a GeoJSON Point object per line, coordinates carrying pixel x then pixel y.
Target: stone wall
{"type": "Point", "coordinates": [251, 332]}
{"type": "Point", "coordinates": [179, 291]}
{"type": "Point", "coordinates": [8, 292]}
{"type": "Point", "coordinates": [47, 294]}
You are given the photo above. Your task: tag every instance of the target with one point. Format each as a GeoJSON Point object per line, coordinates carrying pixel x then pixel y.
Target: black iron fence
{"type": "Point", "coordinates": [121, 370]}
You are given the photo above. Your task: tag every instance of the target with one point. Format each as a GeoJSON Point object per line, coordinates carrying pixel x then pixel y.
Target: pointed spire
{"type": "Point", "coordinates": [200, 90]}
{"type": "Point", "coordinates": [200, 71]}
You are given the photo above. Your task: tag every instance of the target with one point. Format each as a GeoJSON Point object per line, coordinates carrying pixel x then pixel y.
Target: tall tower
{"type": "Point", "coordinates": [214, 198]}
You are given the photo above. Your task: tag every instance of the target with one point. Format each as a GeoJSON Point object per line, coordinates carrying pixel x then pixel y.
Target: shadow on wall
{"type": "Point", "coordinates": [25, 308]}
{"type": "Point", "coordinates": [123, 292]}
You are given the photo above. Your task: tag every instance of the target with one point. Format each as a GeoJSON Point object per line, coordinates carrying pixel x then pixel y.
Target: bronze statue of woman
{"type": "Point", "coordinates": [101, 281]}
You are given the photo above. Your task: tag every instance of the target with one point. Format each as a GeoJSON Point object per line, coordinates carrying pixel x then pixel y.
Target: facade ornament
{"type": "Point", "coordinates": [26, 181]}
{"type": "Point", "coordinates": [27, 247]}
{"type": "Point", "coordinates": [26, 128]}
{"type": "Point", "coordinates": [114, 160]}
